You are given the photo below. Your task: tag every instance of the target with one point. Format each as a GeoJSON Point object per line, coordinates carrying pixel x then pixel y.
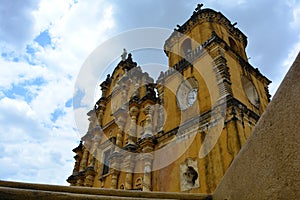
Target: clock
{"type": "Point", "coordinates": [192, 96]}
{"type": "Point", "coordinates": [187, 93]}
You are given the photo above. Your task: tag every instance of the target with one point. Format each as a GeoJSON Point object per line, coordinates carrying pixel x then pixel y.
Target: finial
{"type": "Point", "coordinates": [129, 57]}
{"type": "Point", "coordinates": [199, 6]}
{"type": "Point", "coordinates": [235, 23]}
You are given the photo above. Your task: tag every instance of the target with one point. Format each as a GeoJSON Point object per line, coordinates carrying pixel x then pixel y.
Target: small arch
{"type": "Point", "coordinates": [192, 82]}
{"type": "Point", "coordinates": [233, 44]}
{"type": "Point", "coordinates": [122, 187]}
{"type": "Point", "coordinates": [139, 183]}
{"type": "Point", "coordinates": [250, 91]}
{"type": "Point", "coordinates": [105, 161]}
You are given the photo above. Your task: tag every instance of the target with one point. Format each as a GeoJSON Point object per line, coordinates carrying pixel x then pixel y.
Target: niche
{"type": "Point", "coordinates": [233, 44]}
{"type": "Point", "coordinates": [186, 47]}
{"type": "Point", "coordinates": [189, 177]}
{"type": "Point", "coordinates": [139, 183]}
{"type": "Point", "coordinates": [250, 91]}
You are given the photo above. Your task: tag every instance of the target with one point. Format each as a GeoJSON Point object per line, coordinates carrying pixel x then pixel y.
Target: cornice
{"type": "Point", "coordinates": [201, 16]}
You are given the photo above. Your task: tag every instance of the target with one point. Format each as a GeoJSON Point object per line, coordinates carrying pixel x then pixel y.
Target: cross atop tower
{"type": "Point", "coordinates": [199, 6]}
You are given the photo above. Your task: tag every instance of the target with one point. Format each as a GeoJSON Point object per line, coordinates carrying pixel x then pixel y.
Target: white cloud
{"type": "Point", "coordinates": [285, 66]}
{"type": "Point", "coordinates": [18, 72]}
{"type": "Point", "coordinates": [33, 152]}
{"type": "Point", "coordinates": [16, 23]}
{"type": "Point", "coordinates": [292, 53]}
{"type": "Point", "coordinates": [18, 119]}
{"type": "Point", "coordinates": [227, 3]}
{"type": "Point", "coordinates": [36, 148]}
{"type": "Point", "coordinates": [291, 57]}
{"type": "Point", "coordinates": [76, 29]}
{"type": "Point", "coordinates": [49, 12]}
{"type": "Point", "coordinates": [296, 14]}
{"type": "Point", "coordinates": [34, 162]}
{"type": "Point", "coordinates": [2, 95]}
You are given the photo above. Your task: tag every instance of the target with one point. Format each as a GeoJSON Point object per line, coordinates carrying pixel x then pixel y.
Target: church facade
{"type": "Point", "coordinates": [181, 132]}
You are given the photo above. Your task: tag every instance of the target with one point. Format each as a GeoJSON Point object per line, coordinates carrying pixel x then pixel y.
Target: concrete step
{"type": "Point", "coordinates": [17, 190]}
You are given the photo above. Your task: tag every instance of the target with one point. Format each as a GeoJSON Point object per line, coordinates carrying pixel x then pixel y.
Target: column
{"type": "Point", "coordinates": [119, 141]}
{"type": "Point", "coordinates": [148, 110]}
{"type": "Point", "coordinates": [101, 108]}
{"type": "Point", "coordinates": [148, 157]}
{"type": "Point", "coordinates": [129, 166]}
{"type": "Point", "coordinates": [147, 145]}
{"type": "Point", "coordinates": [114, 179]}
{"type": "Point", "coordinates": [134, 111]}
{"type": "Point", "coordinates": [161, 114]}
{"type": "Point", "coordinates": [114, 159]}
{"type": "Point", "coordinates": [84, 160]}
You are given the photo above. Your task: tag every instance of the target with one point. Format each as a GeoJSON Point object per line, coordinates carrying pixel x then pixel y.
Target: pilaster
{"type": "Point", "coordinates": [148, 126]}
{"type": "Point", "coordinates": [84, 160]}
{"type": "Point", "coordinates": [221, 71]}
{"type": "Point", "coordinates": [147, 145]}
{"type": "Point", "coordinates": [134, 112]}
{"type": "Point", "coordinates": [128, 166]}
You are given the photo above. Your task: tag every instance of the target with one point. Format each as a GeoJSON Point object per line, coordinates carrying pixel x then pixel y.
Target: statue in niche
{"type": "Point", "coordinates": [189, 177]}
{"type": "Point", "coordinates": [124, 55]}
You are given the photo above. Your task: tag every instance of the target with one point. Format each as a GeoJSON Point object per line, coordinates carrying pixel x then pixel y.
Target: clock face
{"type": "Point", "coordinates": [186, 94]}
{"type": "Point", "coordinates": [192, 96]}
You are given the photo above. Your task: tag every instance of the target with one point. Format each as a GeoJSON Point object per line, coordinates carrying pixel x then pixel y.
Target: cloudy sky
{"type": "Point", "coordinates": [43, 45]}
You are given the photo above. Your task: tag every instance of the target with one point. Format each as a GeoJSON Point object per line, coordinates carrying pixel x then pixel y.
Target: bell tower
{"type": "Point", "coordinates": [209, 73]}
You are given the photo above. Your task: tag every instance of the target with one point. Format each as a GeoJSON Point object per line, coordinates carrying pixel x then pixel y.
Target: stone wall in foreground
{"type": "Point", "coordinates": [28, 191]}
{"type": "Point", "coordinates": [268, 165]}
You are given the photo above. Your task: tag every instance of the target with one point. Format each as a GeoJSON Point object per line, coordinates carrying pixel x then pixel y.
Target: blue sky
{"type": "Point", "coordinates": [43, 45]}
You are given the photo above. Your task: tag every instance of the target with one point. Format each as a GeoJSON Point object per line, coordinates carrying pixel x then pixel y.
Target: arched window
{"type": "Point", "coordinates": [105, 168]}
{"type": "Point", "coordinates": [250, 91]}
{"type": "Point", "coordinates": [186, 47]}
{"type": "Point", "coordinates": [139, 183]}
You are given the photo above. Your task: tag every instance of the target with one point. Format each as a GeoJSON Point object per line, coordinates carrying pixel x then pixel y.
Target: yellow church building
{"type": "Point", "coordinates": [181, 132]}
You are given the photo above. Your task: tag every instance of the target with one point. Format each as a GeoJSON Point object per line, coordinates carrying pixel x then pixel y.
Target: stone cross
{"type": "Point", "coordinates": [199, 6]}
